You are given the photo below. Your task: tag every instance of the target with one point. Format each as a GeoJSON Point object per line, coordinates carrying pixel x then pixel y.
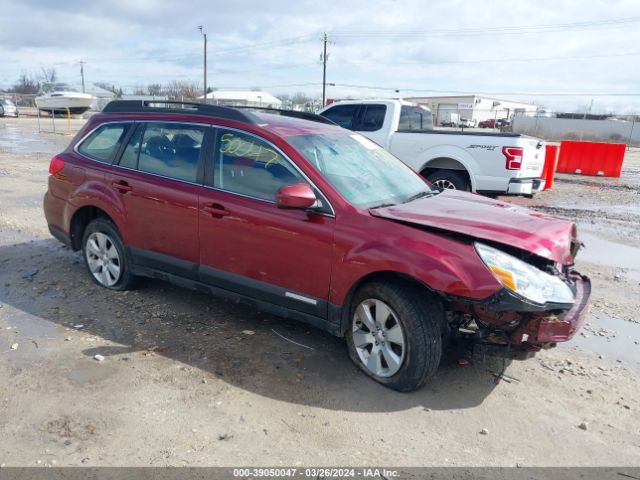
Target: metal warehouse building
{"type": "Point", "coordinates": [473, 107]}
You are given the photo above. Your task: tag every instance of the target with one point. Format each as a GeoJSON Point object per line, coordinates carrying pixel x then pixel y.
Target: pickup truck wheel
{"type": "Point", "coordinates": [395, 334]}
{"type": "Point", "coordinates": [105, 257]}
{"type": "Point", "coordinates": [448, 180]}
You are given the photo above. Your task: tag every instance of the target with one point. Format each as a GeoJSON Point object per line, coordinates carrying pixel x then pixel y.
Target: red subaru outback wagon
{"type": "Point", "coordinates": [301, 218]}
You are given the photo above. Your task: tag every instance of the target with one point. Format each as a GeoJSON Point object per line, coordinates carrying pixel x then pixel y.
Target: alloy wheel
{"type": "Point", "coordinates": [378, 338]}
{"type": "Point", "coordinates": [444, 184]}
{"type": "Point", "coordinates": [103, 259]}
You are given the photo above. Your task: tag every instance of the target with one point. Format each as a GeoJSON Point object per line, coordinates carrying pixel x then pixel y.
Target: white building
{"type": "Point", "coordinates": [474, 107]}
{"type": "Point", "coordinates": [248, 98]}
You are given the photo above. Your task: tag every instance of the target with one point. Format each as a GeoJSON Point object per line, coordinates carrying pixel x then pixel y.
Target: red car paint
{"type": "Point", "coordinates": [481, 217]}
{"type": "Point", "coordinates": [320, 256]}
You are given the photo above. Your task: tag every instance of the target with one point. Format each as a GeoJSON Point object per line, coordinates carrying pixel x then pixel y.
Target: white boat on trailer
{"type": "Point", "coordinates": [60, 97]}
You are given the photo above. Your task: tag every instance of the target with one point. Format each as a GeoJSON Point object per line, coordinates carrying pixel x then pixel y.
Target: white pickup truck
{"type": "Point", "coordinates": [494, 163]}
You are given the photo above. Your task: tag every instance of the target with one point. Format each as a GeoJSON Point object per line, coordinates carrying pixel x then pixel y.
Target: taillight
{"type": "Point", "coordinates": [56, 165]}
{"type": "Point", "coordinates": [513, 156]}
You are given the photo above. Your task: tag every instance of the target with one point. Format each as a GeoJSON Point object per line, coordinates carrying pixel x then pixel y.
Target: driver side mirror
{"type": "Point", "coordinates": [298, 195]}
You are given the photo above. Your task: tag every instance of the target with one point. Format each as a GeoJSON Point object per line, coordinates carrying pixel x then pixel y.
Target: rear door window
{"type": "Point", "coordinates": [373, 118]}
{"type": "Point", "coordinates": [343, 115]}
{"type": "Point", "coordinates": [104, 142]}
{"type": "Point", "coordinates": [166, 149]}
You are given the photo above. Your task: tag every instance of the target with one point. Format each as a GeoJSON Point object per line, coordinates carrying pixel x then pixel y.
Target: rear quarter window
{"type": "Point", "coordinates": [102, 144]}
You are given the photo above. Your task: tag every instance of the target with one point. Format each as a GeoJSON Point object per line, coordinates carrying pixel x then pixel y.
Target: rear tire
{"type": "Point", "coordinates": [402, 346]}
{"type": "Point", "coordinates": [105, 256]}
{"type": "Point", "coordinates": [449, 180]}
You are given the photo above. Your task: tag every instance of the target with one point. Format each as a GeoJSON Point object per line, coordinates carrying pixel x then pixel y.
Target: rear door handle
{"type": "Point", "coordinates": [215, 210]}
{"type": "Point", "coordinates": [121, 186]}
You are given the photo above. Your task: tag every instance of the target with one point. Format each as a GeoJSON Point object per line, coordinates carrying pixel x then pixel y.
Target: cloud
{"type": "Point", "coordinates": [449, 45]}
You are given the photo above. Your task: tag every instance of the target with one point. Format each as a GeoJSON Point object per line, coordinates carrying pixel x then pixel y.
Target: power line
{"type": "Point", "coordinates": [492, 60]}
{"type": "Point", "coordinates": [504, 30]}
{"type": "Point", "coordinates": [480, 92]}
{"type": "Point", "coordinates": [561, 27]}
{"type": "Point", "coordinates": [172, 58]}
{"type": "Point", "coordinates": [426, 63]}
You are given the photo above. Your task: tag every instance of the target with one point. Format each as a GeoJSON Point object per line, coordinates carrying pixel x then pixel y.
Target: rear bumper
{"type": "Point", "coordinates": [54, 208]}
{"type": "Point", "coordinates": [60, 235]}
{"type": "Point", "coordinates": [525, 186]}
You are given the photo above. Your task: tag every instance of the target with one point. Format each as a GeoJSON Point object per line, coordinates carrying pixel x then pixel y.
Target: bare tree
{"type": "Point", "coordinates": [139, 90]}
{"type": "Point", "coordinates": [26, 84]}
{"type": "Point", "coordinates": [110, 87]}
{"type": "Point", "coordinates": [49, 75]}
{"type": "Point", "coordinates": [172, 89]}
{"type": "Point", "coordinates": [154, 89]}
{"type": "Point", "coordinates": [300, 98]}
{"type": "Point", "coordinates": [190, 89]}
{"type": "Point", "coordinates": [177, 90]}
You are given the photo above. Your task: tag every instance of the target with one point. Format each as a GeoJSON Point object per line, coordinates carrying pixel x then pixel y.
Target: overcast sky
{"type": "Point", "coordinates": [416, 46]}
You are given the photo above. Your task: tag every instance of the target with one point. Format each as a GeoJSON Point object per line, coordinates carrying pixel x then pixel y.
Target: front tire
{"type": "Point", "coordinates": [105, 257]}
{"type": "Point", "coordinates": [394, 335]}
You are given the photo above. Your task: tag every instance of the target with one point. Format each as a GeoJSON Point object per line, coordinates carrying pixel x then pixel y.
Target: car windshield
{"type": "Point", "coordinates": [366, 175]}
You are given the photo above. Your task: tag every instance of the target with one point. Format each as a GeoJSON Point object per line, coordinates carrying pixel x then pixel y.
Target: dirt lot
{"type": "Point", "coordinates": [190, 380]}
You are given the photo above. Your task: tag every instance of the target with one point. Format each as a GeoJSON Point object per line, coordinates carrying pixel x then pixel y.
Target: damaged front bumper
{"type": "Point", "coordinates": [551, 327]}
{"type": "Point", "coordinates": [510, 325]}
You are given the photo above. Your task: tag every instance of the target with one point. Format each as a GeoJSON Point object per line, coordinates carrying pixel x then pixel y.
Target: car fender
{"type": "Point", "coordinates": [435, 157]}
{"type": "Point", "coordinates": [94, 194]}
{"type": "Point", "coordinates": [441, 263]}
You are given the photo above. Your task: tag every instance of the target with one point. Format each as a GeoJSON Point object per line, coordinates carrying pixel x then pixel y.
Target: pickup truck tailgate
{"type": "Point", "coordinates": [533, 157]}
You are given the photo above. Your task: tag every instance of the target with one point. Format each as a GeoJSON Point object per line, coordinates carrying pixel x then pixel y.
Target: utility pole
{"type": "Point", "coordinates": [205, 62]}
{"type": "Point", "coordinates": [324, 69]}
{"type": "Point", "coordinates": [82, 62]}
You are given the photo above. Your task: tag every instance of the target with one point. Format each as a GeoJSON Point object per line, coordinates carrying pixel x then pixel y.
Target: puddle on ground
{"type": "Point", "coordinates": [90, 372]}
{"type": "Point", "coordinates": [17, 140]}
{"type": "Point", "coordinates": [600, 251]}
{"type": "Point", "coordinates": [621, 340]}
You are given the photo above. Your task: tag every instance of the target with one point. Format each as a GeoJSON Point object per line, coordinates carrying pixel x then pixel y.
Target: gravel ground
{"type": "Point", "coordinates": [189, 380]}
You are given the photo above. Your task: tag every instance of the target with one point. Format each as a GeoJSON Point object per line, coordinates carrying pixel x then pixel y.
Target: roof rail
{"type": "Point", "coordinates": [174, 106]}
{"type": "Point", "coordinates": [289, 113]}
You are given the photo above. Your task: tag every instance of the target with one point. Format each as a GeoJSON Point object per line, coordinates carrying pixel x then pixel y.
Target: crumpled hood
{"type": "Point", "coordinates": [483, 218]}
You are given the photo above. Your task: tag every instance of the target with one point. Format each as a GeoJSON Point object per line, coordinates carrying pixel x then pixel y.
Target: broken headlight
{"type": "Point", "coordinates": [524, 279]}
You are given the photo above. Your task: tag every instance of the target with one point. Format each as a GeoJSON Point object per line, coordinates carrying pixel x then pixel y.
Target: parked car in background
{"type": "Point", "coordinates": [491, 123]}
{"type": "Point", "coordinates": [494, 163]}
{"type": "Point", "coordinates": [301, 218]}
{"type": "Point", "coordinates": [467, 123]}
{"type": "Point", "coordinates": [494, 123]}
{"type": "Point", "coordinates": [8, 108]}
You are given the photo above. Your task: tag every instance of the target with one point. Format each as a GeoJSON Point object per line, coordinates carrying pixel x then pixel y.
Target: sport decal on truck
{"type": "Point", "coordinates": [485, 147]}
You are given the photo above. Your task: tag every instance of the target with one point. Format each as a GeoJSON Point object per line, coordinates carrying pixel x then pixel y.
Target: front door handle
{"type": "Point", "coordinates": [121, 186]}
{"type": "Point", "coordinates": [215, 210]}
